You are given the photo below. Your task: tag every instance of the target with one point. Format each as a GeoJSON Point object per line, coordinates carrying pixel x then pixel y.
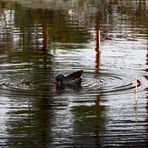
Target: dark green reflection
{"type": "Point", "coordinates": [88, 123]}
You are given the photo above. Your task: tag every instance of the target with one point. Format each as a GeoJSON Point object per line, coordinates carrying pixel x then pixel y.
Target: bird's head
{"type": "Point", "coordinates": [59, 80]}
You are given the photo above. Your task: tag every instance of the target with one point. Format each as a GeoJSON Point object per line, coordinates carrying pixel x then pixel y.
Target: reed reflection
{"type": "Point", "coordinates": [97, 39]}
{"type": "Point", "coordinates": [29, 119]}
{"type": "Point", "coordinates": [146, 89]}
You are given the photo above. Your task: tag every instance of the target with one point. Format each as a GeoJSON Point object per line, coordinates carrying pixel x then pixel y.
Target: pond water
{"type": "Point", "coordinates": [108, 40]}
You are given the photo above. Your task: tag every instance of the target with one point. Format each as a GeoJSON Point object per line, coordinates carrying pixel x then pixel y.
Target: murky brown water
{"type": "Point", "coordinates": [39, 40]}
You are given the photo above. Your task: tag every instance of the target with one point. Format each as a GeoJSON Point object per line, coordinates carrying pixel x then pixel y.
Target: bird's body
{"type": "Point", "coordinates": [72, 80]}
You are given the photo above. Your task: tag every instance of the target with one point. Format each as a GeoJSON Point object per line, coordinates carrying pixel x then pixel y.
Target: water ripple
{"type": "Point", "coordinates": [106, 82]}
{"type": "Point", "coordinates": [102, 83]}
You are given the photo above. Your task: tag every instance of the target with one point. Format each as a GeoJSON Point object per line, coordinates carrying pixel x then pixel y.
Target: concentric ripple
{"type": "Point", "coordinates": [104, 82]}
{"type": "Point", "coordinates": [22, 82]}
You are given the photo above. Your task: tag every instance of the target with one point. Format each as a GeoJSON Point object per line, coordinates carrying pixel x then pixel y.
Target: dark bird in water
{"type": "Point", "coordinates": [72, 80]}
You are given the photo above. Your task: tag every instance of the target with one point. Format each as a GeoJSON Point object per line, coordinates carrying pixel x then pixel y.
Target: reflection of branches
{"type": "Point", "coordinates": [136, 11]}
{"type": "Point", "coordinates": [6, 21]}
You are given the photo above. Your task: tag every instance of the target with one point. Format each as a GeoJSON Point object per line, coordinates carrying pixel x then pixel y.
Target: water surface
{"type": "Point", "coordinates": [108, 40]}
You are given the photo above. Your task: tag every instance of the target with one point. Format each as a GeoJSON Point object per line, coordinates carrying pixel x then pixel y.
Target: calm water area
{"type": "Point", "coordinates": [107, 39]}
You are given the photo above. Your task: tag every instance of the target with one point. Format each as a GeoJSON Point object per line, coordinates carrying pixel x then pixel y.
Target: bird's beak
{"type": "Point", "coordinates": [58, 83]}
